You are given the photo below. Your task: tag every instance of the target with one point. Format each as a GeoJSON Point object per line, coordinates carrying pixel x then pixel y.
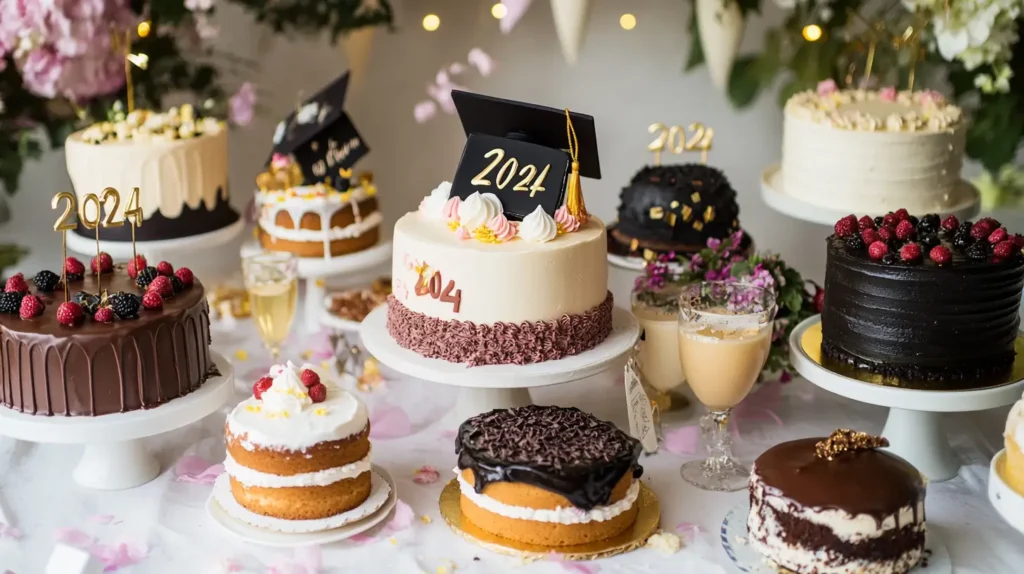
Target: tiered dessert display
{"type": "Point", "coordinates": [915, 308]}
{"type": "Point", "coordinates": [533, 480]}
{"type": "Point", "coordinates": [869, 151]}
{"type": "Point", "coordinates": [504, 270]}
{"type": "Point", "coordinates": [308, 203]}
{"type": "Point", "coordinates": [178, 160]}
{"type": "Point", "coordinates": [106, 351]}
{"type": "Point", "coordinates": [298, 458]}
{"type": "Point", "coordinates": [837, 504]}
{"type": "Point", "coordinates": [1006, 473]}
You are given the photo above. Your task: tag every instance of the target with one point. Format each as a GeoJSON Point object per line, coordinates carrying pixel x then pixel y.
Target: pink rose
{"type": "Point", "coordinates": [887, 94]}
{"type": "Point", "coordinates": [827, 87]}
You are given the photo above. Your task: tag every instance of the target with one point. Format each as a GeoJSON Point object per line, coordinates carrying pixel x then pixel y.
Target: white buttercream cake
{"type": "Point", "coordinates": [873, 151]}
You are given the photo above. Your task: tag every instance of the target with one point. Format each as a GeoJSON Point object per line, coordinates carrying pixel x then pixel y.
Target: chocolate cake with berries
{"type": "Point", "coordinates": [674, 208]}
{"type": "Point", "coordinates": [551, 476]}
{"type": "Point", "coordinates": [923, 299]}
{"type": "Point", "coordinates": [837, 504]}
{"type": "Point", "coordinates": [128, 337]}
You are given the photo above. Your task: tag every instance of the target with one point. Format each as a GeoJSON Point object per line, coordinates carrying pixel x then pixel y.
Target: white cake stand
{"type": "Point", "coordinates": [1008, 502]}
{"type": "Point", "coordinates": [115, 457]}
{"type": "Point", "coordinates": [915, 425]}
{"type": "Point", "coordinates": [488, 387]}
{"type": "Point", "coordinates": [315, 270]}
{"type": "Point", "coordinates": [156, 250]}
{"type": "Point", "coordinates": [774, 194]}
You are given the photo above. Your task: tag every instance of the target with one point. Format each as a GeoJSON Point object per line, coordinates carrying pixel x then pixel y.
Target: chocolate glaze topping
{"type": "Point", "coordinates": [562, 450]}
{"type": "Point", "coordinates": [871, 482]}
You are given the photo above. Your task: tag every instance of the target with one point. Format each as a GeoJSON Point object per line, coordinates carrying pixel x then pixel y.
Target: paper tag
{"type": "Point", "coordinates": [641, 413]}
{"type": "Point", "coordinates": [69, 560]}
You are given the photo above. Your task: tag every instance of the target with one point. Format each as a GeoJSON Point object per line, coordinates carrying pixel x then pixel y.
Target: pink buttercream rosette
{"type": "Point", "coordinates": [565, 221]}
{"type": "Point", "coordinates": [503, 229]}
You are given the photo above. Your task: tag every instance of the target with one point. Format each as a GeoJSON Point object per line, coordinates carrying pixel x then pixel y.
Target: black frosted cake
{"type": "Point", "coordinates": [674, 208]}
{"type": "Point", "coordinates": [923, 299]}
{"type": "Point", "coordinates": [547, 475]}
{"type": "Point", "coordinates": [837, 504]}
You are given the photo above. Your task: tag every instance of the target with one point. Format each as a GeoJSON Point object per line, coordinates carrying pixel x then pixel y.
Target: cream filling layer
{"type": "Point", "coordinates": [250, 477]}
{"type": "Point", "coordinates": [349, 231]}
{"type": "Point", "coordinates": [560, 515]}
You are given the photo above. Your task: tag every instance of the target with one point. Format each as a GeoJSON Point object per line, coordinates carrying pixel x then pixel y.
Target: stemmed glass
{"type": "Point", "coordinates": [272, 282]}
{"type": "Point", "coordinates": [725, 332]}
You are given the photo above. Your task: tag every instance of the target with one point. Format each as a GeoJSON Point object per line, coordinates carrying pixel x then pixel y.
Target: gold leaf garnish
{"type": "Point", "coordinates": [634, 245]}
{"type": "Point", "coordinates": [695, 197]}
{"type": "Point", "coordinates": [657, 212]}
{"type": "Point", "coordinates": [698, 225]}
{"type": "Point", "coordinates": [672, 219]}
{"type": "Point", "coordinates": [687, 213]}
{"type": "Point", "coordinates": [674, 204]}
{"type": "Point", "coordinates": [709, 214]}
{"type": "Point", "coordinates": [846, 440]}
{"type": "Point", "coordinates": [649, 255]}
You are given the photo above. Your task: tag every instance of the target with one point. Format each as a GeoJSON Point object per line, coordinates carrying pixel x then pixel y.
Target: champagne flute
{"type": "Point", "coordinates": [725, 333]}
{"type": "Point", "coordinates": [272, 283]}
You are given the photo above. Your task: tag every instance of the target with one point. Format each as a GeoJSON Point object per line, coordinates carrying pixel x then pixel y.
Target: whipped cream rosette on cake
{"type": "Point", "coordinates": [298, 449]}
{"type": "Point", "coordinates": [504, 265]}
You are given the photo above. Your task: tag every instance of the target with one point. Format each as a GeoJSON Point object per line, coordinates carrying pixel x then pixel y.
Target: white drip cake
{"type": "Point", "coordinates": [873, 150]}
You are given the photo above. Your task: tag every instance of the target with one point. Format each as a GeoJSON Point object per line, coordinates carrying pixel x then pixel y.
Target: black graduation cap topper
{"type": "Point", "coordinates": [526, 154]}
{"type": "Point", "coordinates": [320, 135]}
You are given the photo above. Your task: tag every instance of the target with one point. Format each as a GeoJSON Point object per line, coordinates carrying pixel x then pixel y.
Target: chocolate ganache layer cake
{"type": "Point", "coordinates": [125, 340]}
{"type": "Point", "coordinates": [675, 208]}
{"type": "Point", "coordinates": [923, 299]}
{"type": "Point", "coordinates": [837, 505]}
{"type": "Point", "coordinates": [551, 476]}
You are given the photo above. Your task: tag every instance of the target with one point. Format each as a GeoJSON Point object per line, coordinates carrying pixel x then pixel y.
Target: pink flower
{"type": "Point", "coordinates": [451, 210]}
{"type": "Point", "coordinates": [41, 71]}
{"type": "Point", "coordinates": [827, 87]}
{"type": "Point", "coordinates": [280, 161]}
{"type": "Point", "coordinates": [932, 97]}
{"type": "Point", "coordinates": [502, 228]}
{"type": "Point", "coordinates": [887, 94]}
{"type": "Point", "coordinates": [242, 103]}
{"type": "Point", "coordinates": [566, 222]}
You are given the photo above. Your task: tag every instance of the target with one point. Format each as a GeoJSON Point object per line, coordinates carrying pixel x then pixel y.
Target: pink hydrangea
{"type": "Point", "coordinates": [242, 104]}
{"type": "Point", "coordinates": [827, 87]}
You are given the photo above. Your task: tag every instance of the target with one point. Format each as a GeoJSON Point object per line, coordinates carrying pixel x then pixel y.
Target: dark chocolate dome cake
{"type": "Point", "coordinates": [675, 208]}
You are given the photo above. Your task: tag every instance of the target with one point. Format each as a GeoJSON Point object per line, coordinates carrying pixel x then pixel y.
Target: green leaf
{"type": "Point", "coordinates": [793, 299]}
{"type": "Point", "coordinates": [744, 82]}
{"type": "Point", "coordinates": [994, 135]}
{"type": "Point", "coordinates": [696, 57]}
{"type": "Point", "coordinates": [741, 268]}
{"type": "Point", "coordinates": [791, 88]}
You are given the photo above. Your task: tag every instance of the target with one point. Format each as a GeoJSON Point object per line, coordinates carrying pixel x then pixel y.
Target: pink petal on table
{"type": "Point", "coordinates": [116, 556]}
{"type": "Point", "coordinates": [448, 434]}
{"type": "Point", "coordinates": [571, 566]}
{"type": "Point", "coordinates": [389, 421]}
{"type": "Point", "coordinates": [683, 441]}
{"type": "Point", "coordinates": [481, 60]}
{"type": "Point", "coordinates": [403, 517]}
{"type": "Point", "coordinates": [73, 537]}
{"type": "Point", "coordinates": [192, 468]}
{"type": "Point", "coordinates": [320, 346]}
{"type": "Point", "coordinates": [103, 519]}
{"type": "Point", "coordinates": [426, 475]}
{"type": "Point", "coordinates": [229, 565]}
{"type": "Point", "coordinates": [8, 531]}
{"type": "Point", "coordinates": [514, 10]}
{"type": "Point", "coordinates": [688, 530]}
{"type": "Point", "coordinates": [362, 538]}
{"type": "Point", "coordinates": [309, 556]}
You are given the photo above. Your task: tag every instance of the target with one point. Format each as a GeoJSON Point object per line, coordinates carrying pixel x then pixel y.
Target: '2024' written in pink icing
{"type": "Point", "coordinates": [432, 287]}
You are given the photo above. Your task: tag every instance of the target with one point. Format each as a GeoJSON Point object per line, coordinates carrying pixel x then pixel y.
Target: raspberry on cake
{"type": "Point", "coordinates": [880, 308]}
{"type": "Point", "coordinates": [837, 505]}
{"type": "Point", "coordinates": [293, 457]}
{"type": "Point", "coordinates": [551, 476]}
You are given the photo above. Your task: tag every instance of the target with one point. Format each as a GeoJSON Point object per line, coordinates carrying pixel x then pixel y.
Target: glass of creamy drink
{"type": "Point", "coordinates": [724, 334]}
{"type": "Point", "coordinates": [658, 356]}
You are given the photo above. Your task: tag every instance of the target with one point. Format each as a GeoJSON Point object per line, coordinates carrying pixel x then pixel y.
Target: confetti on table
{"type": "Point", "coordinates": [389, 422]}
{"type": "Point", "coordinates": [402, 519]}
{"type": "Point", "coordinates": [425, 519]}
{"type": "Point", "coordinates": [683, 441]}
{"type": "Point", "coordinates": [426, 474]}
{"type": "Point", "coordinates": [241, 355]}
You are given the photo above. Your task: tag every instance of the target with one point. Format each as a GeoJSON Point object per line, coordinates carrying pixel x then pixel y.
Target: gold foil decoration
{"type": "Point", "coordinates": [687, 212]}
{"type": "Point", "coordinates": [634, 245]}
{"type": "Point", "coordinates": [695, 197]}
{"type": "Point", "coordinates": [573, 192]}
{"type": "Point", "coordinates": [674, 204]}
{"type": "Point", "coordinates": [672, 219]}
{"type": "Point", "coordinates": [63, 226]}
{"type": "Point", "coordinates": [370, 378]}
{"type": "Point", "coordinates": [658, 145]}
{"type": "Point", "coordinates": [648, 519]}
{"type": "Point", "coordinates": [698, 225]}
{"type": "Point", "coordinates": [657, 212]}
{"type": "Point", "coordinates": [231, 301]}
{"type": "Point", "coordinates": [280, 178]}
{"type": "Point", "coordinates": [122, 44]}
{"type": "Point", "coordinates": [846, 440]}
{"type": "Point", "coordinates": [709, 214]}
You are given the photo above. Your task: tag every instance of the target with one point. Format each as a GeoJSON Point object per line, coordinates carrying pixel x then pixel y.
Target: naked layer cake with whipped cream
{"type": "Point", "coordinates": [873, 150]}
{"type": "Point", "coordinates": [837, 505]}
{"type": "Point", "coordinates": [299, 448]}
{"type": "Point", "coordinates": [550, 476]}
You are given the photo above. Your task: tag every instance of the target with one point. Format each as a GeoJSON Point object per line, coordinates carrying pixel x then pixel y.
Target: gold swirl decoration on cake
{"type": "Point", "coordinates": [845, 440]}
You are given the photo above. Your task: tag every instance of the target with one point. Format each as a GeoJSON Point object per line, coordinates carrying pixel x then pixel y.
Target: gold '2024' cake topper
{"type": "Point", "coordinates": [846, 440]}
{"type": "Point", "coordinates": [673, 138]}
{"type": "Point", "coordinates": [95, 220]}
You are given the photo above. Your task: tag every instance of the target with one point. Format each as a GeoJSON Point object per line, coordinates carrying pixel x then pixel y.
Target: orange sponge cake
{"type": "Point", "coordinates": [550, 476]}
{"type": "Point", "coordinates": [298, 449]}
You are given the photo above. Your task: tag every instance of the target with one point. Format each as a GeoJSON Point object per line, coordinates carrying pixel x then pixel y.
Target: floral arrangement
{"type": "Point", "coordinates": [61, 67]}
{"type": "Point", "coordinates": [969, 48]}
{"type": "Point", "coordinates": [725, 261]}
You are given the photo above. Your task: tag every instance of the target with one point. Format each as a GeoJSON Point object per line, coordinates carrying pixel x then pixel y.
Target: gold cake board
{"type": "Point", "coordinates": [647, 521]}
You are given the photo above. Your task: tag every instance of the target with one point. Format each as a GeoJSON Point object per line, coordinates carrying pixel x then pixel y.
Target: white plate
{"type": "Point", "coordinates": [746, 559]}
{"type": "Point", "coordinates": [232, 518]}
{"type": "Point", "coordinates": [1008, 502]}
{"type": "Point", "coordinates": [315, 267]}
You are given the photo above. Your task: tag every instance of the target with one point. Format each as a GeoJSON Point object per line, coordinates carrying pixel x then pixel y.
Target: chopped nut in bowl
{"type": "Point", "coordinates": [355, 304]}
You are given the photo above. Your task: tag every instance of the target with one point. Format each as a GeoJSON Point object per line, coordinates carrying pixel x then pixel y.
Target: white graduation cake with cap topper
{"type": "Point", "coordinates": [504, 265]}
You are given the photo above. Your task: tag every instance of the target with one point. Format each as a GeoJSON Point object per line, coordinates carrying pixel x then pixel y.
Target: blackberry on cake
{"type": "Point", "coordinates": [125, 305]}
{"type": "Point", "coordinates": [550, 476]}
{"type": "Point", "coordinates": [145, 277]}
{"type": "Point", "coordinates": [837, 504]}
{"type": "Point", "coordinates": [46, 281]}
{"type": "Point", "coordinates": [177, 286]}
{"type": "Point", "coordinates": [10, 302]}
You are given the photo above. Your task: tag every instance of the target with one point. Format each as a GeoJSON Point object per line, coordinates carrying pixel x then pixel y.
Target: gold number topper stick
{"type": "Point", "coordinates": [94, 224]}
{"type": "Point", "coordinates": [122, 44]}
{"type": "Point", "coordinates": [63, 225]}
{"type": "Point", "coordinates": [134, 217]}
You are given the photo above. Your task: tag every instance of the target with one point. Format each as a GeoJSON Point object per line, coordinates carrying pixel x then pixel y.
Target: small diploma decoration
{"type": "Point", "coordinates": [321, 137]}
{"type": "Point", "coordinates": [639, 408]}
{"type": "Point", "coordinates": [523, 153]}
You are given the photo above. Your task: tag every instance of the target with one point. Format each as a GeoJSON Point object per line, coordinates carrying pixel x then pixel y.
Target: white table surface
{"type": "Point", "coordinates": [167, 517]}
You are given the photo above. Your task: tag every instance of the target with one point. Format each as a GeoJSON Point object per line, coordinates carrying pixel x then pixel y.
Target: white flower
{"type": "Point", "coordinates": [307, 114]}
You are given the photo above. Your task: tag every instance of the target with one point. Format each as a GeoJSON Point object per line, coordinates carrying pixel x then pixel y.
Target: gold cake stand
{"type": "Point", "coordinates": [647, 521]}
{"type": "Point", "coordinates": [915, 426]}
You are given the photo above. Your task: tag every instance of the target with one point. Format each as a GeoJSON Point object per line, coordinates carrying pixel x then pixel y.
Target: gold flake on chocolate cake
{"type": "Point", "coordinates": [549, 476]}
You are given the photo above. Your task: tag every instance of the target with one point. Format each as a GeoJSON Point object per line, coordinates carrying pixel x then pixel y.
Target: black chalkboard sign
{"type": "Point", "coordinates": [523, 175]}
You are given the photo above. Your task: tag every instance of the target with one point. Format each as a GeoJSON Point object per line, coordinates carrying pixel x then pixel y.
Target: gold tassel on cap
{"type": "Point", "coordinates": [573, 192]}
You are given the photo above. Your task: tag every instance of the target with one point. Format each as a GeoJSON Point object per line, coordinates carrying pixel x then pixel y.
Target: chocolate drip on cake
{"type": "Point", "coordinates": [676, 208]}
{"type": "Point", "coordinates": [191, 221]}
{"type": "Point", "coordinates": [562, 450]}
